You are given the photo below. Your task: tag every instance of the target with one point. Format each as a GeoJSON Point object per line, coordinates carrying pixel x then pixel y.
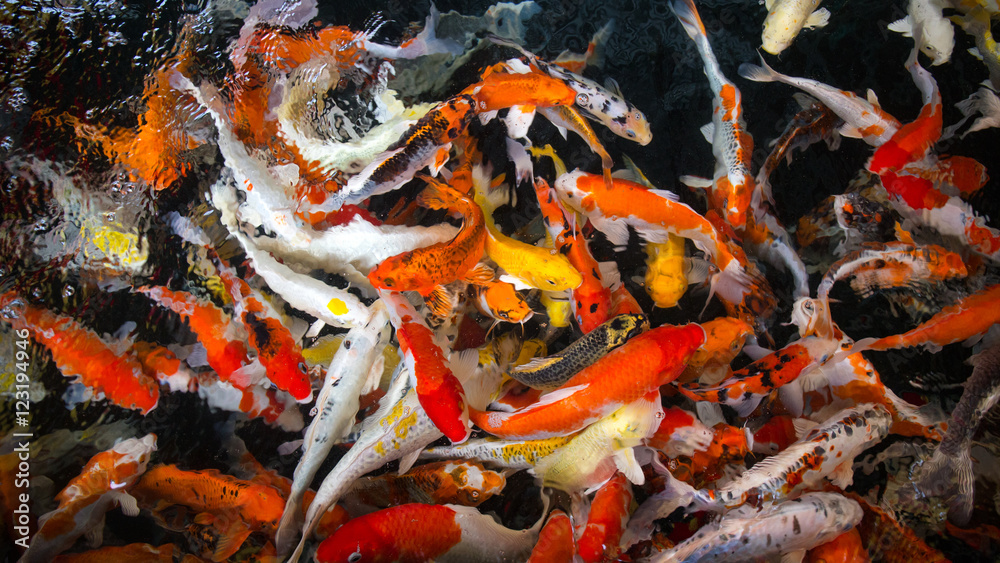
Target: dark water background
{"type": "Point", "coordinates": [90, 60]}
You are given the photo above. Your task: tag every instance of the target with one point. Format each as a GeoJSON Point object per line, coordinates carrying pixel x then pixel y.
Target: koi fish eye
{"type": "Point", "coordinates": [638, 116]}
{"type": "Point", "coordinates": [630, 133]}
{"type": "Point", "coordinates": [389, 282]}
{"type": "Point", "coordinates": [582, 99]}
{"type": "Point", "coordinates": [303, 367]}
{"type": "Point", "coordinates": [354, 557]}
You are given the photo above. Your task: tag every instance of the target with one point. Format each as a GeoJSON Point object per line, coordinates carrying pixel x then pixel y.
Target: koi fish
{"type": "Point", "coordinates": [555, 542]}
{"type": "Point", "coordinates": [788, 529]}
{"type": "Point", "coordinates": [864, 119]}
{"type": "Point", "coordinates": [893, 264]}
{"type": "Point", "coordinates": [225, 350]}
{"type": "Point", "coordinates": [440, 393]}
{"type": "Point", "coordinates": [888, 539]}
{"type": "Point", "coordinates": [355, 369]}
{"type": "Point", "coordinates": [786, 18]}
{"type": "Point", "coordinates": [425, 268]}
{"type": "Point", "coordinates": [606, 521]}
{"type": "Point", "coordinates": [105, 481]}
{"type": "Point", "coordinates": [165, 367]}
{"type": "Point", "coordinates": [775, 435]}
{"type": "Point", "coordinates": [533, 266]}
{"type": "Point", "coordinates": [79, 351]}
{"type": "Point", "coordinates": [724, 339]}
{"type": "Point", "coordinates": [680, 433]}
{"type": "Point", "coordinates": [501, 302]}
{"type": "Point", "coordinates": [937, 36]}
{"type": "Point", "coordinates": [592, 298]}
{"type": "Point", "coordinates": [236, 508]}
{"type": "Point", "coordinates": [166, 553]}
{"type": "Point", "coordinates": [509, 454]}
{"type": "Point", "coordinates": [555, 370]}
{"type": "Point", "coordinates": [747, 387]}
{"type": "Point", "coordinates": [969, 318]}
{"type": "Point", "coordinates": [652, 358]}
{"type": "Point", "coordinates": [277, 351]}
{"type": "Point", "coordinates": [653, 214]}
{"type": "Point", "coordinates": [421, 532]}
{"type": "Point", "coordinates": [426, 143]}
{"type": "Point", "coordinates": [467, 483]}
{"type": "Point", "coordinates": [599, 450]}
{"type": "Point", "coordinates": [828, 450]}
{"type": "Point", "coordinates": [948, 473]}
{"type": "Point", "coordinates": [593, 56]}
{"type": "Point", "coordinates": [845, 548]}
{"type": "Point", "coordinates": [733, 183]}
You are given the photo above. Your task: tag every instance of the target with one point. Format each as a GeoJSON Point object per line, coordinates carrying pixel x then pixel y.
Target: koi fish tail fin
{"type": "Point", "coordinates": [950, 476]}
{"type": "Point", "coordinates": [437, 194]}
{"type": "Point", "coordinates": [425, 43]}
{"type": "Point", "coordinates": [762, 73]}
{"type": "Point", "coordinates": [689, 18]}
{"type": "Point", "coordinates": [675, 494]}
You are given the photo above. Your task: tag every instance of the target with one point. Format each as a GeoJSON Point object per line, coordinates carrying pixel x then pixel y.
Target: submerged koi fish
{"type": "Point", "coordinates": [423, 532]}
{"type": "Point", "coordinates": [864, 119]}
{"type": "Point", "coordinates": [509, 454]}
{"type": "Point", "coordinates": [609, 513]}
{"type": "Point", "coordinates": [555, 542]}
{"type": "Point", "coordinates": [553, 371]}
{"type": "Point", "coordinates": [679, 433]}
{"type": "Point", "coordinates": [79, 351]}
{"type": "Point", "coordinates": [732, 145]}
{"type": "Point", "coordinates": [105, 481]}
{"type": "Point", "coordinates": [790, 527]}
{"type": "Point", "coordinates": [653, 359]}
{"type": "Point", "coordinates": [277, 351]}
{"type": "Point", "coordinates": [467, 483]}
{"type": "Point", "coordinates": [236, 508]}
{"type": "Point", "coordinates": [425, 268]}
{"type": "Point", "coordinates": [892, 264]}
{"type": "Point", "coordinates": [786, 18]}
{"type": "Point", "coordinates": [653, 214]}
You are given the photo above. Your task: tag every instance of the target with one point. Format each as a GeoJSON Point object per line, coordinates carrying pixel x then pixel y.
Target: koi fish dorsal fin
{"type": "Point", "coordinates": [872, 98]}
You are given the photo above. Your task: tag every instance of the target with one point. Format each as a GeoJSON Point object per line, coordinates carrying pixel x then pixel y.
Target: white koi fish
{"type": "Point", "coordinates": [937, 37]}
{"type": "Point", "coordinates": [786, 18]}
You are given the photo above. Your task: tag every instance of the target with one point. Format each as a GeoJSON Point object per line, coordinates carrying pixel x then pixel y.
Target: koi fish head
{"type": "Point", "coordinates": [724, 338]}
{"type": "Point", "coordinates": [636, 127]}
{"type": "Point", "coordinates": [289, 372]}
{"type": "Point", "coordinates": [264, 505]}
{"type": "Point", "coordinates": [130, 461]}
{"type": "Point", "coordinates": [504, 303]}
{"type": "Point", "coordinates": [396, 275]}
{"type": "Point", "coordinates": [474, 483]}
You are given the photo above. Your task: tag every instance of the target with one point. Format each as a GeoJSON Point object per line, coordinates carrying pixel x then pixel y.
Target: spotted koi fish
{"type": "Point", "coordinates": [652, 358]}
{"type": "Point", "coordinates": [467, 483]}
{"type": "Point", "coordinates": [789, 527]}
{"type": "Point", "coordinates": [892, 264]}
{"type": "Point", "coordinates": [828, 450]}
{"type": "Point", "coordinates": [105, 481]}
{"type": "Point", "coordinates": [78, 351]}
{"type": "Point", "coordinates": [509, 454]}
{"type": "Point", "coordinates": [426, 143]}
{"type": "Point", "coordinates": [732, 145]}
{"type": "Point", "coordinates": [551, 372]}
{"type": "Point", "coordinates": [423, 269]}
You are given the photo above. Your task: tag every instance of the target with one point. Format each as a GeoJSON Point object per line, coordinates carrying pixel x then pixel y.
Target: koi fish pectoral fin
{"type": "Point", "coordinates": [127, 502]}
{"type": "Point", "coordinates": [626, 463]}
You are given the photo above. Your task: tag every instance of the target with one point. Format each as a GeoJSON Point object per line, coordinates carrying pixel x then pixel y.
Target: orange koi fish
{"type": "Point", "coordinates": [969, 318]}
{"type": "Point", "coordinates": [606, 521]}
{"type": "Point", "coordinates": [592, 299]}
{"type": "Point", "coordinates": [280, 355]}
{"type": "Point", "coordinates": [224, 347]}
{"type": "Point", "coordinates": [555, 542]}
{"type": "Point", "coordinates": [892, 264]}
{"type": "Point", "coordinates": [165, 367]}
{"type": "Point", "coordinates": [653, 359]}
{"type": "Point", "coordinates": [864, 119]}
{"type": "Point", "coordinates": [775, 435]}
{"type": "Point", "coordinates": [503, 88]}
{"type": "Point", "coordinates": [732, 145]}
{"type": "Point", "coordinates": [134, 552]}
{"type": "Point", "coordinates": [79, 351]}
{"type": "Point", "coordinates": [653, 214]}
{"type": "Point", "coordinates": [104, 482]}
{"type": "Point", "coordinates": [426, 143]}
{"type": "Point", "coordinates": [424, 532]}
{"type": "Point", "coordinates": [593, 56]}
{"type": "Point", "coordinates": [236, 508]}
{"type": "Point", "coordinates": [889, 540]}
{"type": "Point", "coordinates": [845, 548]}
{"type": "Point", "coordinates": [467, 483]}
{"type": "Point", "coordinates": [425, 268]}
{"type": "Point", "coordinates": [501, 302]}
{"type": "Point", "coordinates": [440, 393]}
{"type": "Point", "coordinates": [724, 339]}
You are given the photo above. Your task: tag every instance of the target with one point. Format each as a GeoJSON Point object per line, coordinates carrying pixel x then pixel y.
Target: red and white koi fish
{"type": "Point", "coordinates": [787, 529]}
{"type": "Point", "coordinates": [864, 119]}
{"type": "Point", "coordinates": [680, 433]}
{"type": "Point", "coordinates": [828, 450]}
{"type": "Point", "coordinates": [223, 341]}
{"type": "Point", "coordinates": [745, 389]}
{"type": "Point", "coordinates": [80, 352]}
{"type": "Point", "coordinates": [555, 542]}
{"type": "Point", "coordinates": [276, 407]}
{"type": "Point", "coordinates": [967, 319]}
{"type": "Point", "coordinates": [104, 482]}
{"type": "Point", "coordinates": [948, 473]}
{"type": "Point", "coordinates": [606, 521]}
{"type": "Point", "coordinates": [733, 182]}
{"type": "Point", "coordinates": [423, 532]}
{"type": "Point", "coordinates": [355, 369]}
{"type": "Point", "coordinates": [653, 214]}
{"type": "Point", "coordinates": [653, 359]}
{"type": "Point", "coordinates": [441, 395]}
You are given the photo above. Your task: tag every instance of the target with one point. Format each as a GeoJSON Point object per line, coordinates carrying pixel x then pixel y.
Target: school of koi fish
{"type": "Point", "coordinates": [359, 297]}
